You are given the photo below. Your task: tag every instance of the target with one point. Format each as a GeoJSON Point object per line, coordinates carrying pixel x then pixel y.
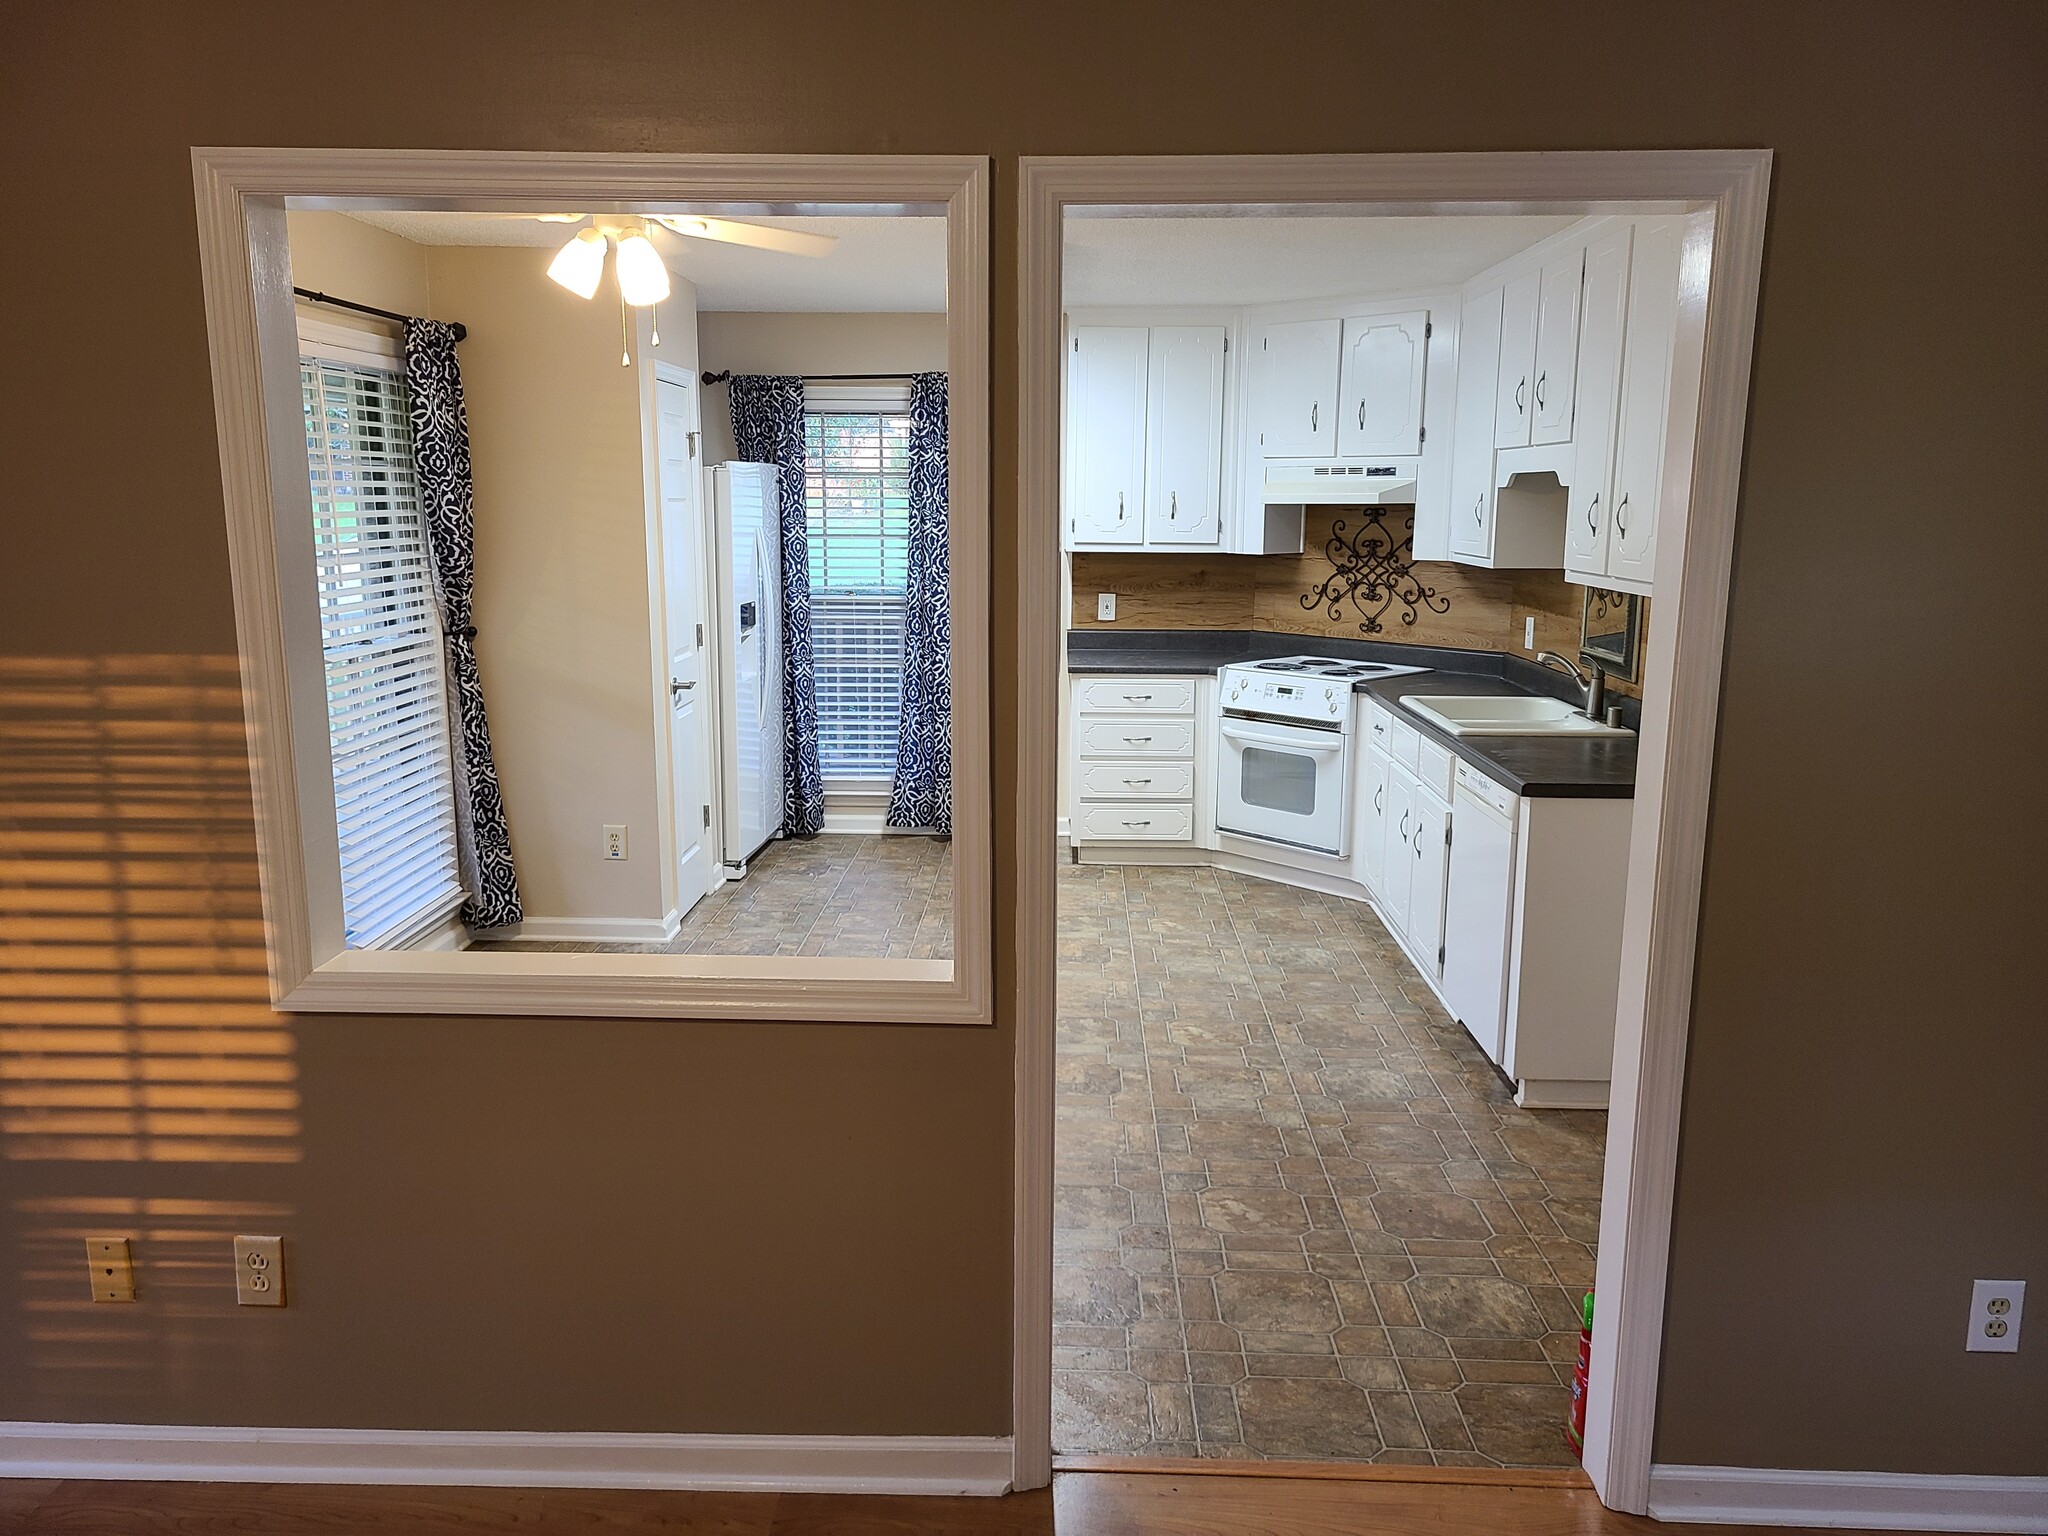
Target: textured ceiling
{"type": "Point", "coordinates": [893, 265]}
{"type": "Point", "coordinates": [1252, 260]}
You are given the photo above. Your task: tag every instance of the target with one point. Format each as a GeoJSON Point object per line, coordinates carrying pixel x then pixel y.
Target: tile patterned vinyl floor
{"type": "Point", "coordinates": [837, 895]}
{"type": "Point", "coordinates": [1298, 1215]}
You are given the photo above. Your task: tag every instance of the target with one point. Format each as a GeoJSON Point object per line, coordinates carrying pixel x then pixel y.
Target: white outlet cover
{"type": "Point", "coordinates": [1995, 1307]}
{"type": "Point", "coordinates": [1529, 633]}
{"type": "Point", "coordinates": [614, 842]}
{"type": "Point", "coordinates": [1105, 606]}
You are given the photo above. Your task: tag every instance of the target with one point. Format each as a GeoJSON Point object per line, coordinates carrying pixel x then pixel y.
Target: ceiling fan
{"type": "Point", "coordinates": [643, 276]}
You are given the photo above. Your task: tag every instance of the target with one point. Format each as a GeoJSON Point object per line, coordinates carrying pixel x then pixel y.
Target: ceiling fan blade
{"type": "Point", "coordinates": [762, 237]}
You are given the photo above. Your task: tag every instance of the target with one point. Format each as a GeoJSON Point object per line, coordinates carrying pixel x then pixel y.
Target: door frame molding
{"type": "Point", "coordinates": [240, 196]}
{"type": "Point", "coordinates": [1682, 688]}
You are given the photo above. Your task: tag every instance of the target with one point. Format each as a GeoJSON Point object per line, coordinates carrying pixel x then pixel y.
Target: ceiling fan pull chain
{"type": "Point", "coordinates": [625, 352]}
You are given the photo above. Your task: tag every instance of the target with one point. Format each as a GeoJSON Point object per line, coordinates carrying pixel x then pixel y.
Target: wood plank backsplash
{"type": "Point", "coordinates": [1488, 609]}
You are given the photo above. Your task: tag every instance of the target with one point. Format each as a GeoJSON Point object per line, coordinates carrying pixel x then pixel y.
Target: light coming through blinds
{"type": "Point", "coordinates": [857, 508]}
{"type": "Point", "coordinates": [380, 630]}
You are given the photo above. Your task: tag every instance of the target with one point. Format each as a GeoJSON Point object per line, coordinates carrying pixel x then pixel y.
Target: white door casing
{"type": "Point", "coordinates": [683, 613]}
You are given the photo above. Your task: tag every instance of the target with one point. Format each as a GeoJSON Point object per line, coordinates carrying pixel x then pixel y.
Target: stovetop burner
{"type": "Point", "coordinates": [1328, 666]}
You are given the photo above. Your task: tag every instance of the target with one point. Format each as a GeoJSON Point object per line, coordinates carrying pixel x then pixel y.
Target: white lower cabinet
{"type": "Point", "coordinates": [1135, 775]}
{"type": "Point", "coordinates": [1510, 906]}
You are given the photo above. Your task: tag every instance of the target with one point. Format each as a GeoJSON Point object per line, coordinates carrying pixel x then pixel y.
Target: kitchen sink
{"type": "Point", "coordinates": [1509, 715]}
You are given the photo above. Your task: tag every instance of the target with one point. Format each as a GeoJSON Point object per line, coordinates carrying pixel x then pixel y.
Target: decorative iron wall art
{"type": "Point", "coordinates": [1373, 570]}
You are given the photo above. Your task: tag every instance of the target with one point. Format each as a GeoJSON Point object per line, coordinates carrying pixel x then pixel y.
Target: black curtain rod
{"type": "Point", "coordinates": [461, 331]}
{"type": "Point", "coordinates": [815, 378]}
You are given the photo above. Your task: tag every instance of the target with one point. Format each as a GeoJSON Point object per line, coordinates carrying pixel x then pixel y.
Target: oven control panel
{"type": "Point", "coordinates": [1293, 698]}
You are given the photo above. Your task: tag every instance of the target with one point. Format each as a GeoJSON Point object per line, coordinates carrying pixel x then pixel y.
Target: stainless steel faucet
{"type": "Point", "coordinates": [1595, 684]}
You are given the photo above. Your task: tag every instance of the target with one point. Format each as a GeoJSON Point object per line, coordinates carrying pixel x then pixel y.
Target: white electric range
{"type": "Point", "coordinates": [1283, 761]}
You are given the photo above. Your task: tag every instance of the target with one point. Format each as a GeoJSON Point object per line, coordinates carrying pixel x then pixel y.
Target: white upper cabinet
{"type": "Point", "coordinates": [1557, 349]}
{"type": "Point", "coordinates": [1646, 360]}
{"type": "Point", "coordinates": [1479, 342]}
{"type": "Point", "coordinates": [1520, 300]}
{"type": "Point", "coordinates": [1294, 367]}
{"type": "Point", "coordinates": [1184, 435]}
{"type": "Point", "coordinates": [1590, 512]}
{"type": "Point", "coordinates": [1105, 480]}
{"type": "Point", "coordinates": [1380, 384]}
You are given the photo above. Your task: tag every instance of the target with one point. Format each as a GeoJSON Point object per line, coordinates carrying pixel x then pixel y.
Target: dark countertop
{"type": "Point", "coordinates": [1545, 766]}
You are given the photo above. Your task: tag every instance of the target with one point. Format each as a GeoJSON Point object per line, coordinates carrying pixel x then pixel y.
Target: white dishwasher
{"type": "Point", "coordinates": [1479, 907]}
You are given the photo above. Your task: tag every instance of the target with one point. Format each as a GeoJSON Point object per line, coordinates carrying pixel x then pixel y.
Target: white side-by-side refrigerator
{"type": "Point", "coordinates": [747, 534]}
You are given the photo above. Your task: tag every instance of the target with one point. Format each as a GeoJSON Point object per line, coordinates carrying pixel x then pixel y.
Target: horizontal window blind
{"type": "Point", "coordinates": [380, 633]}
{"type": "Point", "coordinates": [857, 510]}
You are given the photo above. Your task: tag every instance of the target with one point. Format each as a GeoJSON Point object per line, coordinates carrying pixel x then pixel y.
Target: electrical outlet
{"type": "Point", "coordinates": [1529, 633]}
{"type": "Point", "coordinates": [1995, 1307]}
{"type": "Point", "coordinates": [259, 1271]}
{"type": "Point", "coordinates": [113, 1272]}
{"type": "Point", "coordinates": [615, 842]}
{"type": "Point", "coordinates": [1105, 606]}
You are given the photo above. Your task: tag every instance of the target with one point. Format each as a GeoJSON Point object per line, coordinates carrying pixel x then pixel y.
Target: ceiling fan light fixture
{"type": "Point", "coordinates": [579, 265]}
{"type": "Point", "coordinates": [643, 278]}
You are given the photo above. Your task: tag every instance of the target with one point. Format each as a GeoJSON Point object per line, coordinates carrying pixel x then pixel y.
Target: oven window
{"type": "Point", "coordinates": [1278, 781]}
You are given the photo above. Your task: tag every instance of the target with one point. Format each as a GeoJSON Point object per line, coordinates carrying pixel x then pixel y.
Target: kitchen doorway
{"type": "Point", "coordinates": [1314, 938]}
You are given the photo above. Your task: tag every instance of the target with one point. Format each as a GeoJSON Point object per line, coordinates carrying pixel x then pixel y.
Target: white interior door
{"type": "Point", "coordinates": [683, 599]}
{"type": "Point", "coordinates": [1184, 434]}
{"type": "Point", "coordinates": [1381, 385]}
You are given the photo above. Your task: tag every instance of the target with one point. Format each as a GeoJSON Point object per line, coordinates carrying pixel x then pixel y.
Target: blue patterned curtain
{"type": "Point", "coordinates": [768, 428]}
{"type": "Point", "coordinates": [440, 451]}
{"type": "Point", "coordinates": [922, 795]}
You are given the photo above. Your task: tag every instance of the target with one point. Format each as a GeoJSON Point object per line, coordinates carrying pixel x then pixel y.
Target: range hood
{"type": "Point", "coordinates": [1341, 485]}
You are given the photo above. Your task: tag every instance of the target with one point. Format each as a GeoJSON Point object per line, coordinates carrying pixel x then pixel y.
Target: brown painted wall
{"type": "Point", "coordinates": [822, 1211]}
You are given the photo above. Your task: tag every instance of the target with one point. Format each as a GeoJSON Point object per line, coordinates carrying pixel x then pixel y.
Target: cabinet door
{"type": "Point", "coordinates": [1426, 890]}
{"type": "Point", "coordinates": [1645, 397]}
{"type": "Point", "coordinates": [1380, 385]}
{"type": "Point", "coordinates": [1511, 404]}
{"type": "Point", "coordinates": [1372, 820]}
{"type": "Point", "coordinates": [1399, 869]}
{"type": "Point", "coordinates": [1184, 435]}
{"type": "Point", "coordinates": [1294, 389]}
{"type": "Point", "coordinates": [1472, 436]}
{"type": "Point", "coordinates": [1557, 349]}
{"type": "Point", "coordinates": [1106, 434]}
{"type": "Point", "coordinates": [1590, 505]}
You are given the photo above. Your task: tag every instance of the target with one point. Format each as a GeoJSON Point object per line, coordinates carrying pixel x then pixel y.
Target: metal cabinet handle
{"type": "Point", "coordinates": [1621, 515]}
{"type": "Point", "coordinates": [1315, 415]}
{"type": "Point", "coordinates": [1361, 413]}
{"type": "Point", "coordinates": [1172, 505]}
{"type": "Point", "coordinates": [1137, 698]}
{"type": "Point", "coordinates": [1519, 388]}
{"type": "Point", "coordinates": [1418, 842]}
{"type": "Point", "coordinates": [1539, 387]}
{"type": "Point", "coordinates": [1137, 741]}
{"type": "Point", "coordinates": [1404, 826]}
{"type": "Point", "coordinates": [1478, 512]}
{"type": "Point", "coordinates": [1379, 799]}
{"type": "Point", "coordinates": [1119, 506]}
{"type": "Point", "coordinates": [1137, 823]}
{"type": "Point", "coordinates": [1591, 525]}
{"type": "Point", "coordinates": [1137, 783]}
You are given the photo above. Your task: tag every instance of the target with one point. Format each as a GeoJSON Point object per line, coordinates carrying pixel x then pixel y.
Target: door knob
{"type": "Point", "coordinates": [675, 688]}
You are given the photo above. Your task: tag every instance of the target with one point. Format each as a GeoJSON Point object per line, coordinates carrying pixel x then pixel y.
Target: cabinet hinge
{"type": "Point", "coordinates": [1447, 834]}
{"type": "Point", "coordinates": [1264, 342]}
{"type": "Point", "coordinates": [1422, 434]}
{"type": "Point", "coordinates": [700, 634]}
{"type": "Point", "coordinates": [1077, 344]}
{"type": "Point", "coordinates": [1439, 959]}
{"type": "Point", "coordinates": [1226, 344]}
{"type": "Point", "coordinates": [1428, 329]}
{"type": "Point", "coordinates": [707, 815]}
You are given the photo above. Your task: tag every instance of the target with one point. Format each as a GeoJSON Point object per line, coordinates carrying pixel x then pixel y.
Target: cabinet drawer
{"type": "Point", "coordinates": [1137, 737]}
{"type": "Point", "coordinates": [1129, 695]}
{"type": "Point", "coordinates": [1135, 822]}
{"type": "Point", "coordinates": [1405, 743]}
{"type": "Point", "coordinates": [1379, 728]}
{"type": "Point", "coordinates": [1137, 781]}
{"type": "Point", "coordinates": [1433, 767]}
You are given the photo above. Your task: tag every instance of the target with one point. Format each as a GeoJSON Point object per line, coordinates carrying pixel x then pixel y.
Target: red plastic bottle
{"type": "Point", "coordinates": [1575, 1431]}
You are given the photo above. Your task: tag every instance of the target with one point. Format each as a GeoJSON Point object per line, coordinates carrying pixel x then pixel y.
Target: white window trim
{"type": "Point", "coordinates": [241, 196]}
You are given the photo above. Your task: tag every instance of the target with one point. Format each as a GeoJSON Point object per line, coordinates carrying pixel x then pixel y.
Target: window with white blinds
{"type": "Point", "coordinates": [857, 509]}
{"type": "Point", "coordinates": [380, 632]}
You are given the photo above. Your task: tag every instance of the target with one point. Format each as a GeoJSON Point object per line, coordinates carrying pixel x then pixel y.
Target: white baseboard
{"type": "Point", "coordinates": [591, 930]}
{"type": "Point", "coordinates": [1892, 1501]}
{"type": "Point", "coordinates": [919, 1464]}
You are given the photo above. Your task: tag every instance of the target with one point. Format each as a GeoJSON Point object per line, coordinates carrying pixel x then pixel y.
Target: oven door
{"type": "Point", "coordinates": [1283, 783]}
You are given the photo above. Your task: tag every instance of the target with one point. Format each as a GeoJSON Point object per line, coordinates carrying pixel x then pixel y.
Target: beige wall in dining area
{"type": "Point", "coordinates": [819, 1214]}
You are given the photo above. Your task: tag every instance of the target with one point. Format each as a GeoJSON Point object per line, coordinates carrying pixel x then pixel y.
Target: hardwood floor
{"type": "Point", "coordinates": [1078, 1504]}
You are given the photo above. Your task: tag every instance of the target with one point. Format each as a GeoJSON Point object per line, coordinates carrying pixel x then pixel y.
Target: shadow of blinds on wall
{"type": "Point", "coordinates": [380, 635]}
{"type": "Point", "coordinates": [857, 508]}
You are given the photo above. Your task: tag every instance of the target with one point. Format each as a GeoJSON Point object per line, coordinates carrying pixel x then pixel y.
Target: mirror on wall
{"type": "Point", "coordinates": [1611, 632]}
